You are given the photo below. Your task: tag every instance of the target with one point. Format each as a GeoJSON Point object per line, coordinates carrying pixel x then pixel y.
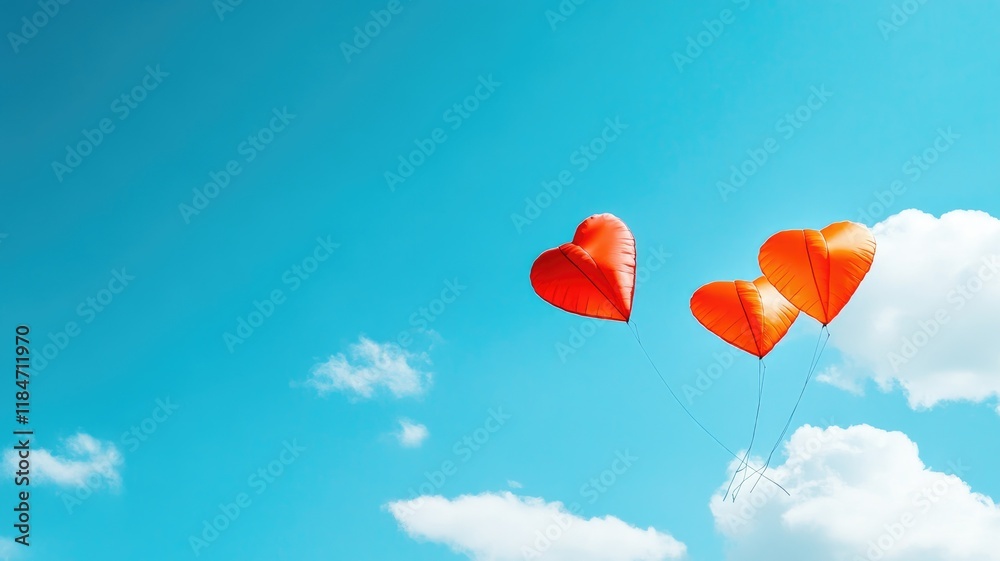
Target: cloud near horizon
{"type": "Point", "coordinates": [506, 527]}
{"type": "Point", "coordinates": [859, 493]}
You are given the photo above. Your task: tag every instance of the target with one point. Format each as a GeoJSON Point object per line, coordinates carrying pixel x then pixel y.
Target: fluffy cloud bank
{"type": "Point", "coordinates": [505, 527]}
{"type": "Point", "coordinates": [925, 317]}
{"type": "Point", "coordinates": [85, 461]}
{"type": "Point", "coordinates": [371, 366]}
{"type": "Point", "coordinates": [859, 493]}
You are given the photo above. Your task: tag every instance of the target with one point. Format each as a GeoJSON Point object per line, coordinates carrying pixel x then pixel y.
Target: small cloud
{"type": "Point", "coordinates": [85, 461]}
{"type": "Point", "coordinates": [514, 484]}
{"type": "Point", "coordinates": [433, 336]}
{"type": "Point", "coordinates": [411, 435]}
{"type": "Point", "coordinates": [7, 550]}
{"type": "Point", "coordinates": [838, 379]}
{"type": "Point", "coordinates": [371, 366]}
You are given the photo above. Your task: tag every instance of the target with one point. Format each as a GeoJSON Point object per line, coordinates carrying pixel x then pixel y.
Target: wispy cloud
{"type": "Point", "coordinates": [410, 434]}
{"type": "Point", "coordinates": [8, 551]}
{"type": "Point", "coordinates": [836, 377]}
{"type": "Point", "coordinates": [370, 366]}
{"type": "Point", "coordinates": [84, 462]}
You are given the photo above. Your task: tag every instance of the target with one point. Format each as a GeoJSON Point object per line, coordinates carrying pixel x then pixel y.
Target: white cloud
{"type": "Point", "coordinates": [410, 434]}
{"type": "Point", "coordinates": [7, 548]}
{"type": "Point", "coordinates": [505, 527]}
{"type": "Point", "coordinates": [371, 366]}
{"type": "Point", "coordinates": [835, 376]}
{"type": "Point", "coordinates": [514, 484]}
{"type": "Point", "coordinates": [859, 493]}
{"type": "Point", "coordinates": [925, 317]}
{"type": "Point", "coordinates": [87, 462]}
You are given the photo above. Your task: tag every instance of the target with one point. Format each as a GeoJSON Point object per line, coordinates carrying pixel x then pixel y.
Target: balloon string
{"type": "Point", "coordinates": [744, 465]}
{"type": "Point", "coordinates": [688, 411]}
{"type": "Point", "coordinates": [817, 354]}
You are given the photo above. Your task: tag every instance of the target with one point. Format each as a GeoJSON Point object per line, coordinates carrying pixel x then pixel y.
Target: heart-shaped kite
{"type": "Point", "coordinates": [594, 275]}
{"type": "Point", "coordinates": [752, 316]}
{"type": "Point", "coordinates": [819, 271]}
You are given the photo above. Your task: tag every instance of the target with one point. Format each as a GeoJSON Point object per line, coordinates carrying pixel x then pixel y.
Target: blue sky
{"type": "Point", "coordinates": [308, 135]}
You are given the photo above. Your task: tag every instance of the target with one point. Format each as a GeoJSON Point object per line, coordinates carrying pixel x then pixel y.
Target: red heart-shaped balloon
{"type": "Point", "coordinates": [819, 271]}
{"type": "Point", "coordinates": [592, 276]}
{"type": "Point", "coordinates": [752, 316]}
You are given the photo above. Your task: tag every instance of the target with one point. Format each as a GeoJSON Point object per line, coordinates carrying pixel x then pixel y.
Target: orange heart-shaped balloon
{"type": "Point", "coordinates": [752, 316]}
{"type": "Point", "coordinates": [819, 271]}
{"type": "Point", "coordinates": [592, 276]}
